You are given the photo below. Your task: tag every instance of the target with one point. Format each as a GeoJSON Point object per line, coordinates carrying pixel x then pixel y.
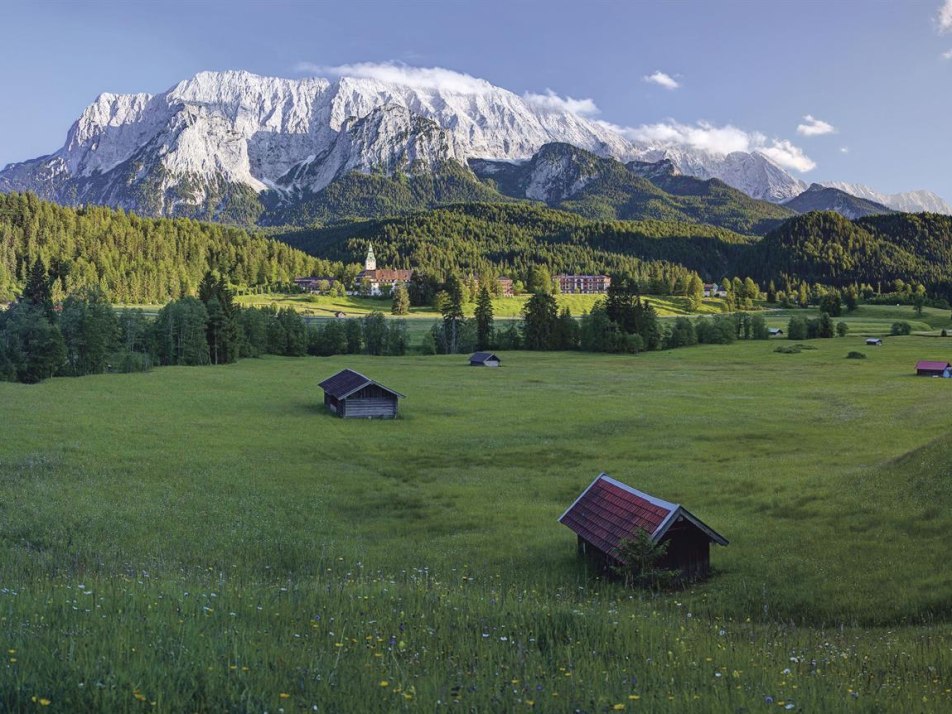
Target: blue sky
{"type": "Point", "coordinates": [872, 75]}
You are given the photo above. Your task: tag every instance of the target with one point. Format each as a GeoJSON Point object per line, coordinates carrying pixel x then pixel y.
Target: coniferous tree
{"type": "Point", "coordinates": [401, 301]}
{"type": "Point", "coordinates": [483, 316]}
{"type": "Point", "coordinates": [38, 289]}
{"type": "Point", "coordinates": [452, 310]}
{"type": "Point", "coordinates": [540, 322]}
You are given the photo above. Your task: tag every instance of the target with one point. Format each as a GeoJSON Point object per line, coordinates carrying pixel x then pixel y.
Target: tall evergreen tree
{"type": "Point", "coordinates": [400, 304]}
{"type": "Point", "coordinates": [38, 290]}
{"type": "Point", "coordinates": [540, 322]}
{"type": "Point", "coordinates": [484, 319]}
{"type": "Point", "coordinates": [452, 310]}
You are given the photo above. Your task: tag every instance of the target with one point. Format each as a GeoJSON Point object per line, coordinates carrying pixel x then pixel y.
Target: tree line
{"type": "Point", "coordinates": [130, 259]}
{"type": "Point", "coordinates": [85, 334]}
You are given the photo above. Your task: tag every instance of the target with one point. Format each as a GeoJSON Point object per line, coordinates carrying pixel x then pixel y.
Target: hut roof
{"type": "Point", "coordinates": [347, 381]}
{"type": "Point", "coordinates": [482, 357]}
{"type": "Point", "coordinates": [609, 511]}
{"type": "Point", "coordinates": [931, 365]}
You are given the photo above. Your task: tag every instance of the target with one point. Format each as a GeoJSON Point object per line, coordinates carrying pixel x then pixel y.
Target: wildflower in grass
{"type": "Point", "coordinates": [284, 695]}
{"type": "Point", "coordinates": [618, 707]}
{"type": "Point", "coordinates": [42, 701]}
{"type": "Point", "coordinates": [634, 697]}
{"type": "Point", "coordinates": [384, 683]}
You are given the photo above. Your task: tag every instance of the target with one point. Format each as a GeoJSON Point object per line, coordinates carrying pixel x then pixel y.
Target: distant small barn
{"type": "Point", "coordinates": [349, 394]}
{"type": "Point", "coordinates": [609, 511]}
{"type": "Point", "coordinates": [874, 342]}
{"type": "Point", "coordinates": [774, 331]}
{"type": "Point", "coordinates": [927, 368]}
{"type": "Point", "coordinates": [484, 359]}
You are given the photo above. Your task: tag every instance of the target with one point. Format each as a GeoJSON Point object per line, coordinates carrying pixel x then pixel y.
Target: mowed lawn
{"type": "Point", "coordinates": [830, 477]}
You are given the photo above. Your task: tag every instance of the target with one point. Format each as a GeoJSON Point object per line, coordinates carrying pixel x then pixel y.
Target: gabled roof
{"type": "Point", "coordinates": [609, 511]}
{"type": "Point", "coordinates": [928, 364]}
{"type": "Point", "coordinates": [347, 381]}
{"type": "Point", "coordinates": [483, 357]}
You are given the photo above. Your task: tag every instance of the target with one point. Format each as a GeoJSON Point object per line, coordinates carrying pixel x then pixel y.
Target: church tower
{"type": "Point", "coordinates": [371, 262]}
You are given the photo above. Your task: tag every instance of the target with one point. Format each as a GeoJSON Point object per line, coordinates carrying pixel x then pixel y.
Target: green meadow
{"type": "Point", "coordinates": [511, 307]}
{"type": "Point", "coordinates": [209, 539]}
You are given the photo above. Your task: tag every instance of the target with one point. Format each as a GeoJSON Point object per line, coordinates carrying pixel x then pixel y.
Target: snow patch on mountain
{"type": "Point", "coordinates": [909, 201]}
{"type": "Point", "coordinates": [753, 173]}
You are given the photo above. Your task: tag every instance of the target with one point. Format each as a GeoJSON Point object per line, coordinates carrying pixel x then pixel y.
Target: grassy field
{"type": "Point", "coordinates": [208, 539]}
{"type": "Point", "coordinates": [876, 320]}
{"type": "Point", "coordinates": [327, 306]}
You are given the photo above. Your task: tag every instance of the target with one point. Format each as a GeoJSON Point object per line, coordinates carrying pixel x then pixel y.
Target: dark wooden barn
{"type": "Point", "coordinates": [609, 511]}
{"type": "Point", "coordinates": [349, 394]}
{"type": "Point", "coordinates": [484, 359]}
{"type": "Point", "coordinates": [927, 368]}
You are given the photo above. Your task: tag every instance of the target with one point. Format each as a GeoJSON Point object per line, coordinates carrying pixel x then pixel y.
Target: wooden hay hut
{"type": "Point", "coordinates": [609, 511]}
{"type": "Point", "coordinates": [874, 342]}
{"type": "Point", "coordinates": [484, 359]}
{"type": "Point", "coordinates": [928, 368]}
{"type": "Point", "coordinates": [350, 395]}
{"type": "Point", "coordinates": [774, 331]}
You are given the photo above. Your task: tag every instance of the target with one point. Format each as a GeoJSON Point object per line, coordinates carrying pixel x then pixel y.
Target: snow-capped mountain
{"type": "Point", "coordinates": [221, 140]}
{"type": "Point", "coordinates": [909, 201]}
{"type": "Point", "coordinates": [753, 173]}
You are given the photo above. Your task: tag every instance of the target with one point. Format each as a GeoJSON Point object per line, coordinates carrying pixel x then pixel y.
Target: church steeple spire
{"type": "Point", "coordinates": [371, 262]}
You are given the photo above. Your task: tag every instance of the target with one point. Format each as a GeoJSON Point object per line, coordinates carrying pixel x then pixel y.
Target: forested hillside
{"type": "Point", "coordinates": [824, 247]}
{"type": "Point", "coordinates": [133, 259]}
{"type": "Point", "coordinates": [358, 195]}
{"type": "Point", "coordinates": [508, 238]}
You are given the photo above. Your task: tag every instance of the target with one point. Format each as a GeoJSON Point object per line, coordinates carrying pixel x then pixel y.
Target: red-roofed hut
{"type": "Point", "coordinates": [609, 511]}
{"type": "Point", "coordinates": [928, 368]}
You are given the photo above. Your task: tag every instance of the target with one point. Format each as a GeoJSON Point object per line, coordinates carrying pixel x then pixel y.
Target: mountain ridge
{"type": "Point", "coordinates": [225, 133]}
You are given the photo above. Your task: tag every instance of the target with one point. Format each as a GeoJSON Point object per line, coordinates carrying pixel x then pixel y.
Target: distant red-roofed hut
{"type": "Point", "coordinates": [927, 368]}
{"type": "Point", "coordinates": [609, 511]}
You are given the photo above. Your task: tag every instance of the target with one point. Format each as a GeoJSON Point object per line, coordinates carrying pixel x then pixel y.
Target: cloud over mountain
{"type": "Point", "coordinates": [662, 79]}
{"type": "Point", "coordinates": [438, 78]}
{"type": "Point", "coordinates": [719, 140]}
{"type": "Point", "coordinates": [550, 101]}
{"type": "Point", "coordinates": [812, 126]}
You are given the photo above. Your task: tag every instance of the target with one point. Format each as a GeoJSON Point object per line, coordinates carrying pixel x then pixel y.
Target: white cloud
{"type": "Point", "coordinates": [664, 80]}
{"type": "Point", "coordinates": [945, 17]}
{"type": "Point", "coordinates": [814, 127]}
{"type": "Point", "coordinates": [788, 156]}
{"type": "Point", "coordinates": [550, 101]}
{"type": "Point", "coordinates": [947, 55]}
{"type": "Point", "coordinates": [717, 140]}
{"type": "Point", "coordinates": [438, 78]}
{"type": "Point", "coordinates": [844, 149]}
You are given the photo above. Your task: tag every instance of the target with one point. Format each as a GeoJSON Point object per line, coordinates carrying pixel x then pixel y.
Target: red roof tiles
{"type": "Point", "coordinates": [931, 366]}
{"type": "Point", "coordinates": [609, 512]}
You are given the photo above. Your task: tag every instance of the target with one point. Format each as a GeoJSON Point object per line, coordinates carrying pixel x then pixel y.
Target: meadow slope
{"type": "Point", "coordinates": [209, 538]}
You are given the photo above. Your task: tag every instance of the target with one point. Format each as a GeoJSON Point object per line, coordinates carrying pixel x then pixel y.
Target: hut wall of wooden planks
{"type": "Point", "coordinates": [609, 512]}
{"type": "Point", "coordinates": [351, 395]}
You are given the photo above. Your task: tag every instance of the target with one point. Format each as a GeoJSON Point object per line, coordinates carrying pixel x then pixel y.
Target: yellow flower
{"type": "Point", "coordinates": [634, 697]}
{"type": "Point", "coordinates": [618, 707]}
{"type": "Point", "coordinates": [43, 702]}
{"type": "Point", "coordinates": [284, 695]}
{"type": "Point", "coordinates": [384, 683]}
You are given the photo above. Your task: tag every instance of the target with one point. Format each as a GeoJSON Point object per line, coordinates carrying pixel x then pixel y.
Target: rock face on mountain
{"type": "Point", "coordinates": [564, 176]}
{"type": "Point", "coordinates": [908, 202]}
{"type": "Point", "coordinates": [225, 145]}
{"type": "Point", "coordinates": [823, 198]}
